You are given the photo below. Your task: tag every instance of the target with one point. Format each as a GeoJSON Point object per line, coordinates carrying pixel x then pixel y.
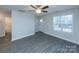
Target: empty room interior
{"type": "Point", "coordinates": [39, 28]}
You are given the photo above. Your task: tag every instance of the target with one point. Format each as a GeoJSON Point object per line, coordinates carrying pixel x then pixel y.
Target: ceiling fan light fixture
{"type": "Point", "coordinates": [38, 10]}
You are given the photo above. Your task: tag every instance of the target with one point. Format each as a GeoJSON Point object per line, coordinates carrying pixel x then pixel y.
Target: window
{"type": "Point", "coordinates": [63, 23]}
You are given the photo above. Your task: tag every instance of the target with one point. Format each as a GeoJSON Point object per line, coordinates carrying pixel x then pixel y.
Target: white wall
{"type": "Point", "coordinates": [22, 25]}
{"type": "Point", "coordinates": [47, 25]}
{"type": "Point", "coordinates": [36, 23]}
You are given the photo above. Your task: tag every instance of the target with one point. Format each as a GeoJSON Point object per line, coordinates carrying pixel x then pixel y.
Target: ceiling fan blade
{"type": "Point", "coordinates": [26, 11]}
{"type": "Point", "coordinates": [21, 10]}
{"type": "Point", "coordinates": [33, 6]}
{"type": "Point", "coordinates": [31, 10]}
{"type": "Point", "coordinates": [45, 7]}
{"type": "Point", "coordinates": [45, 11]}
{"type": "Point", "coordinates": [38, 6]}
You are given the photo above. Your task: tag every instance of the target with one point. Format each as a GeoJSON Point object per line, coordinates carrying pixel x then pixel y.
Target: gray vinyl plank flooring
{"type": "Point", "coordinates": [41, 43]}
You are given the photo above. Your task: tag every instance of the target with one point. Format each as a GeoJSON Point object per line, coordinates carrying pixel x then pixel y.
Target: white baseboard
{"type": "Point", "coordinates": [62, 38]}
{"type": "Point", "coordinates": [13, 39]}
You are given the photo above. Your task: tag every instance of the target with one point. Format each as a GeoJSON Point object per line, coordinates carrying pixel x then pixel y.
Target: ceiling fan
{"type": "Point", "coordinates": [39, 8]}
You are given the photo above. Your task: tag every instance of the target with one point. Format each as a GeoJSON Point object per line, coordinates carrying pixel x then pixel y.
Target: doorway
{"type": "Point", "coordinates": [8, 28]}
{"type": "Point", "coordinates": [5, 29]}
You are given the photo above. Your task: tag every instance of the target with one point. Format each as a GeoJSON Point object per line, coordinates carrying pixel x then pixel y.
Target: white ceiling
{"type": "Point", "coordinates": [52, 8]}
